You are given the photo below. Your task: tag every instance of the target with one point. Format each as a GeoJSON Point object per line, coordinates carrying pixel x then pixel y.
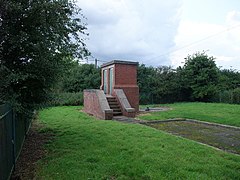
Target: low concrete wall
{"type": "Point", "coordinates": [126, 108]}
{"type": "Point", "coordinates": [95, 103]}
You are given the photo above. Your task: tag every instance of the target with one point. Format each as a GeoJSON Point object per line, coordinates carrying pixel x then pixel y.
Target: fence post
{"type": "Point", "coordinates": [14, 138]}
{"type": "Point", "coordinates": [1, 142]}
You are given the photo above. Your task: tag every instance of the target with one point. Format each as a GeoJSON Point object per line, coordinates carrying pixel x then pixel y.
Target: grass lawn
{"type": "Point", "coordinates": [228, 114]}
{"type": "Point", "coordinates": [87, 148]}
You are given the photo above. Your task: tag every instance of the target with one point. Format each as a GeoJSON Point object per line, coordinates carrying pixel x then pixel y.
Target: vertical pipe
{"type": "Point", "coordinates": [96, 63]}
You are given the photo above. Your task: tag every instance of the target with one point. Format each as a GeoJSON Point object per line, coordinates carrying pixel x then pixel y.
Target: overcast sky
{"type": "Point", "coordinates": [160, 32]}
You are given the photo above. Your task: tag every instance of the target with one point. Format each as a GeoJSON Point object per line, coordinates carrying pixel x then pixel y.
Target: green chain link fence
{"type": "Point", "coordinates": [13, 129]}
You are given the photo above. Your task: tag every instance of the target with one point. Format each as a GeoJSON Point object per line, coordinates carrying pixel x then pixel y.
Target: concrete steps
{"type": "Point", "coordinates": [112, 101]}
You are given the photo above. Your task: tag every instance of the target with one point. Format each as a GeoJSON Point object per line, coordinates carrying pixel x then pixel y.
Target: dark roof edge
{"type": "Point", "coordinates": [119, 62]}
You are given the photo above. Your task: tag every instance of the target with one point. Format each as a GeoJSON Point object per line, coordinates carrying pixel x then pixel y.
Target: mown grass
{"type": "Point", "coordinates": [87, 148]}
{"type": "Point", "coordinates": [228, 114]}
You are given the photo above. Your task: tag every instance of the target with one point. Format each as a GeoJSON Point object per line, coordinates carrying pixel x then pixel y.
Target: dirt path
{"type": "Point", "coordinates": [32, 151]}
{"type": "Point", "coordinates": [225, 138]}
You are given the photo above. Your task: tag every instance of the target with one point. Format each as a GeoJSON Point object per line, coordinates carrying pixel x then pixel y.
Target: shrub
{"type": "Point", "coordinates": [65, 99]}
{"type": "Point", "coordinates": [229, 96]}
{"type": "Point", "coordinates": [224, 97]}
{"type": "Point", "coordinates": [236, 96]}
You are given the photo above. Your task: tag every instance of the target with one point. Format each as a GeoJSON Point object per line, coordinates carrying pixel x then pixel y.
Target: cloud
{"type": "Point", "coordinates": [221, 41]}
{"type": "Point", "coordinates": [137, 30]}
{"type": "Point", "coordinates": [233, 17]}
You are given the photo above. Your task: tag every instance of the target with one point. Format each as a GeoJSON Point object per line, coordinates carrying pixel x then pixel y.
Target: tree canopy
{"type": "Point", "coordinates": [198, 80]}
{"type": "Point", "coordinates": [200, 76]}
{"type": "Point", "coordinates": [80, 77]}
{"type": "Point", "coordinates": [38, 39]}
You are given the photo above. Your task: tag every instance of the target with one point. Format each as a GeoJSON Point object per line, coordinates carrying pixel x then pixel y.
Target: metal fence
{"type": "Point", "coordinates": [13, 129]}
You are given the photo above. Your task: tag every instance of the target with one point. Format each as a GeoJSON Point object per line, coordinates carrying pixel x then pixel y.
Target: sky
{"type": "Point", "coordinates": [160, 32]}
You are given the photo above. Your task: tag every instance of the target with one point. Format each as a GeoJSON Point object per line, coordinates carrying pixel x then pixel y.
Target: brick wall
{"type": "Point", "coordinates": [94, 104]}
{"type": "Point", "coordinates": [126, 79]}
{"type": "Point", "coordinates": [125, 74]}
{"type": "Point", "coordinates": [91, 105]}
{"type": "Point", "coordinates": [132, 93]}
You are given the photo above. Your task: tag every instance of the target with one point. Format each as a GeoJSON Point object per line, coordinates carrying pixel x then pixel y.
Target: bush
{"type": "Point", "coordinates": [236, 96]}
{"type": "Point", "coordinates": [222, 97]}
{"type": "Point", "coordinates": [229, 96]}
{"type": "Point", "coordinates": [65, 99]}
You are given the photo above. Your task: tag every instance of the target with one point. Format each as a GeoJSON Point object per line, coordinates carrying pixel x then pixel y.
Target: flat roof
{"type": "Point", "coordinates": [119, 62]}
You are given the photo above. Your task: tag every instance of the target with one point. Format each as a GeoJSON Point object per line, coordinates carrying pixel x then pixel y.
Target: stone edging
{"type": "Point", "coordinates": [190, 120]}
{"type": "Point", "coordinates": [162, 121]}
{"type": "Point", "coordinates": [213, 124]}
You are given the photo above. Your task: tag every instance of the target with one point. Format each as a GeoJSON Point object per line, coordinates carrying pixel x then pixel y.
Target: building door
{"type": "Point", "coordinates": [110, 80]}
{"type": "Point", "coordinates": [105, 81]}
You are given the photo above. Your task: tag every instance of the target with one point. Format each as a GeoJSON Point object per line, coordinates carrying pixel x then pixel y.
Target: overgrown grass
{"type": "Point", "coordinates": [228, 114]}
{"type": "Point", "coordinates": [87, 148]}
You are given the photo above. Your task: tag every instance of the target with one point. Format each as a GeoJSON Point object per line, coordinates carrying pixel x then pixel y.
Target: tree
{"type": "Point", "coordinates": [229, 79]}
{"type": "Point", "coordinates": [167, 85]}
{"type": "Point", "coordinates": [200, 76]}
{"type": "Point", "coordinates": [158, 85]}
{"type": "Point", "coordinates": [146, 83]}
{"type": "Point", "coordinates": [37, 40]}
{"type": "Point", "coordinates": [80, 77]}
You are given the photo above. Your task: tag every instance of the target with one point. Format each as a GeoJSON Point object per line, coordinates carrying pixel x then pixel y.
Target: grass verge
{"type": "Point", "coordinates": [228, 114]}
{"type": "Point", "coordinates": [87, 148]}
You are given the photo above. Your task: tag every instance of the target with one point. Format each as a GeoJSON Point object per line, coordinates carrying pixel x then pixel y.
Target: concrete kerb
{"type": "Point", "coordinates": [190, 120]}
{"type": "Point", "coordinates": [213, 124]}
{"type": "Point", "coordinates": [130, 109]}
{"type": "Point", "coordinates": [163, 121]}
{"type": "Point", "coordinates": [157, 109]}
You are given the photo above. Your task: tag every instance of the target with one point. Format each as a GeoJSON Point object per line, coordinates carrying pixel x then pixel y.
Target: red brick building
{"type": "Point", "coordinates": [119, 93]}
